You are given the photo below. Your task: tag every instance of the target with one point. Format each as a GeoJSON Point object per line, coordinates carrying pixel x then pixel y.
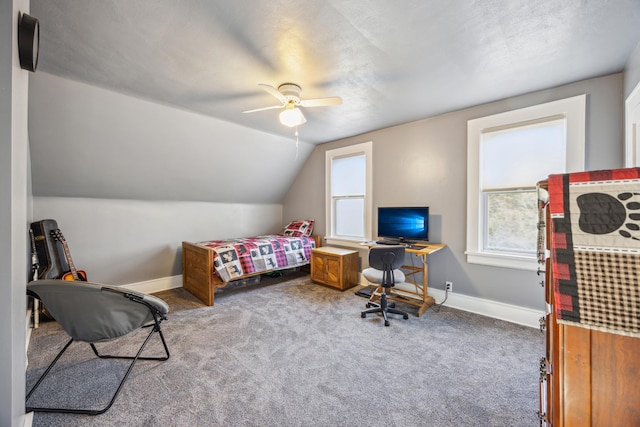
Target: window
{"type": "Point", "coordinates": [348, 192]}
{"type": "Point", "coordinates": [508, 154]}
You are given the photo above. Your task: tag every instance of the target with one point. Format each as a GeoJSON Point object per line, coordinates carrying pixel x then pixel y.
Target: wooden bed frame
{"type": "Point", "coordinates": [198, 273]}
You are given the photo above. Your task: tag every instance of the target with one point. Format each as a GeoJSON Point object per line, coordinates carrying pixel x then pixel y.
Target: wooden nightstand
{"type": "Point", "coordinates": [335, 267]}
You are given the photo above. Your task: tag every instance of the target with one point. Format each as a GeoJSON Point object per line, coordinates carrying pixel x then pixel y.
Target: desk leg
{"type": "Point", "coordinates": [427, 301]}
{"type": "Point", "coordinates": [375, 295]}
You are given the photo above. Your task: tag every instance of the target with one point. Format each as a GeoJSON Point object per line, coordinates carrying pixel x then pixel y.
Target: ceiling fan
{"type": "Point", "coordinates": [289, 96]}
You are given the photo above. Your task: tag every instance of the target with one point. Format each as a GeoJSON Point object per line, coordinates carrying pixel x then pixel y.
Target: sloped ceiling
{"type": "Point", "coordinates": [391, 62]}
{"type": "Point", "coordinates": [112, 103]}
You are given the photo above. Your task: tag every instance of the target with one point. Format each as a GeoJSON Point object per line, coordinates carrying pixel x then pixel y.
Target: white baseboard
{"type": "Point", "coordinates": [156, 285]}
{"type": "Point", "coordinates": [497, 310]}
{"type": "Point", "coordinates": [28, 419]}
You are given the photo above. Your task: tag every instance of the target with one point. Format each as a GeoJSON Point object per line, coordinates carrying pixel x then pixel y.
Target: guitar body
{"type": "Point", "coordinates": [82, 276]}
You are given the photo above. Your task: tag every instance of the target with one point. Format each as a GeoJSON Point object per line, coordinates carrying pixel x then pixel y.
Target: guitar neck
{"type": "Point", "coordinates": [72, 267]}
{"type": "Point", "coordinates": [67, 254]}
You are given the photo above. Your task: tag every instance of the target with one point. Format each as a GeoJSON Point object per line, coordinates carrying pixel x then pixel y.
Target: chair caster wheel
{"type": "Point", "coordinates": [368, 305]}
{"type": "Point", "coordinates": [386, 323]}
{"type": "Point", "coordinates": [363, 315]}
{"type": "Point", "coordinates": [391, 305]}
{"type": "Point", "coordinates": [405, 317]}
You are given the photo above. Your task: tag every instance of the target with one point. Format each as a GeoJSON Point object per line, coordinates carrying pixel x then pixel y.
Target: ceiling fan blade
{"type": "Point", "coordinates": [263, 108]}
{"type": "Point", "coordinates": [321, 102]}
{"type": "Point", "coordinates": [273, 91]}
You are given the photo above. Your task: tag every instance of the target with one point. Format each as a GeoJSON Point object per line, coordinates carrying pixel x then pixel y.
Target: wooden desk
{"type": "Point", "coordinates": [420, 297]}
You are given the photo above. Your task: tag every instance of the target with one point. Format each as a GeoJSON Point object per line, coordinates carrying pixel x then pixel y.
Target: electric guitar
{"type": "Point", "coordinates": [73, 274]}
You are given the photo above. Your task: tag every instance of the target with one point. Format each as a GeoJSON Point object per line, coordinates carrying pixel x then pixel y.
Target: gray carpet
{"type": "Point", "coordinates": [298, 354]}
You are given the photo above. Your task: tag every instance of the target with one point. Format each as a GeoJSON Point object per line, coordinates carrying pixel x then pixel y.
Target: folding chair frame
{"type": "Point", "coordinates": [157, 318]}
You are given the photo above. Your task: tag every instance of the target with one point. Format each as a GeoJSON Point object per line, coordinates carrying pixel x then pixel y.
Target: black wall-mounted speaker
{"type": "Point", "coordinates": [28, 42]}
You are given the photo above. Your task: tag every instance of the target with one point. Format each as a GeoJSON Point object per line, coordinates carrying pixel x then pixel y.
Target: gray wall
{"type": "Point", "coordinates": [14, 217]}
{"type": "Point", "coordinates": [127, 241]}
{"type": "Point", "coordinates": [424, 163]}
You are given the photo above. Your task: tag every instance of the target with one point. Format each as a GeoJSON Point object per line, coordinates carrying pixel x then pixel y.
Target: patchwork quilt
{"type": "Point", "coordinates": [595, 241]}
{"type": "Point", "coordinates": [237, 257]}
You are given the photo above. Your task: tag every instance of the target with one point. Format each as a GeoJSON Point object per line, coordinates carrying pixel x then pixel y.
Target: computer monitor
{"type": "Point", "coordinates": [404, 224]}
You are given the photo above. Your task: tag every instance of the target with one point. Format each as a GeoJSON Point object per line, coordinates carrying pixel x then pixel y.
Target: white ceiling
{"type": "Point", "coordinates": [391, 62]}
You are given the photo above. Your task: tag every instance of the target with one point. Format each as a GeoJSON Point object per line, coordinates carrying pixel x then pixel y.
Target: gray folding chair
{"type": "Point", "coordinates": [96, 313]}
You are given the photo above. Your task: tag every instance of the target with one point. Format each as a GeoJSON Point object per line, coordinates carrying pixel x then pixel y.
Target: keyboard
{"type": "Point", "coordinates": [386, 242]}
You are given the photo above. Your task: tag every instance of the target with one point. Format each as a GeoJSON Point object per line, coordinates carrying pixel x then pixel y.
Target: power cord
{"type": "Point", "coordinates": [437, 307]}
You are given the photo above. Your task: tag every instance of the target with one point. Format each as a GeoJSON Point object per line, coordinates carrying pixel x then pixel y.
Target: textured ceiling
{"type": "Point", "coordinates": [391, 62]}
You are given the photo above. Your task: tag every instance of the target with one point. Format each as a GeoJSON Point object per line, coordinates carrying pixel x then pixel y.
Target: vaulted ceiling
{"type": "Point", "coordinates": [391, 62]}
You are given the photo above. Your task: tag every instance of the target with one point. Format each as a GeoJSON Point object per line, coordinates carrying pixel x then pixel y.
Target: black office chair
{"type": "Point", "coordinates": [95, 313]}
{"type": "Point", "coordinates": [384, 270]}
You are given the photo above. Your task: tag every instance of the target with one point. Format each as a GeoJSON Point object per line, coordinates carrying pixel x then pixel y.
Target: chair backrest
{"type": "Point", "coordinates": [387, 259]}
{"type": "Point", "coordinates": [93, 312]}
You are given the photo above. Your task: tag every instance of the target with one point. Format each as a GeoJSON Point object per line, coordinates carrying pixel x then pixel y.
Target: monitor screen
{"type": "Point", "coordinates": [404, 223]}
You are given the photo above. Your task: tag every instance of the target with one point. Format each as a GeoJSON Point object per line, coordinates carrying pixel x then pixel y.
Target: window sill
{"type": "Point", "coordinates": [520, 262]}
{"type": "Point", "coordinates": [349, 243]}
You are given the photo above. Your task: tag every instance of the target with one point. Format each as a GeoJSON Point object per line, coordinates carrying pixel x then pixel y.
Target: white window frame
{"type": "Point", "coordinates": [573, 110]}
{"type": "Point", "coordinates": [632, 129]}
{"type": "Point", "coordinates": [365, 148]}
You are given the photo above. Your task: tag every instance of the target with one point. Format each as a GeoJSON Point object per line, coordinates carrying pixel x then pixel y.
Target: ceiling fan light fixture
{"type": "Point", "coordinates": [289, 96]}
{"type": "Point", "coordinates": [292, 117]}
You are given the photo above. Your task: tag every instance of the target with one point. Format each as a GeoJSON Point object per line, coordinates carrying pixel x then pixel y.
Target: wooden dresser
{"type": "Point", "coordinates": [587, 377]}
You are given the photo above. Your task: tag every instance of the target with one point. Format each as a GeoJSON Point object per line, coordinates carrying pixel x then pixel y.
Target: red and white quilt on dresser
{"type": "Point", "coordinates": [595, 243]}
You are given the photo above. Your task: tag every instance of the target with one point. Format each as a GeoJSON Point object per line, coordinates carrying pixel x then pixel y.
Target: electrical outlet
{"type": "Point", "coordinates": [448, 286]}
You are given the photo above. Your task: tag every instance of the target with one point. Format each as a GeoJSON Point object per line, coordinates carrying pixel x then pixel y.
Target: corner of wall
{"type": "Point", "coordinates": [632, 72]}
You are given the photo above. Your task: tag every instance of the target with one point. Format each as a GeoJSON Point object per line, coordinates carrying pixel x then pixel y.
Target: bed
{"type": "Point", "coordinates": [213, 264]}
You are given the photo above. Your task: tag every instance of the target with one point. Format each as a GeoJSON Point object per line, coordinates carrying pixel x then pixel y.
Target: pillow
{"type": "Point", "coordinates": [299, 228]}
